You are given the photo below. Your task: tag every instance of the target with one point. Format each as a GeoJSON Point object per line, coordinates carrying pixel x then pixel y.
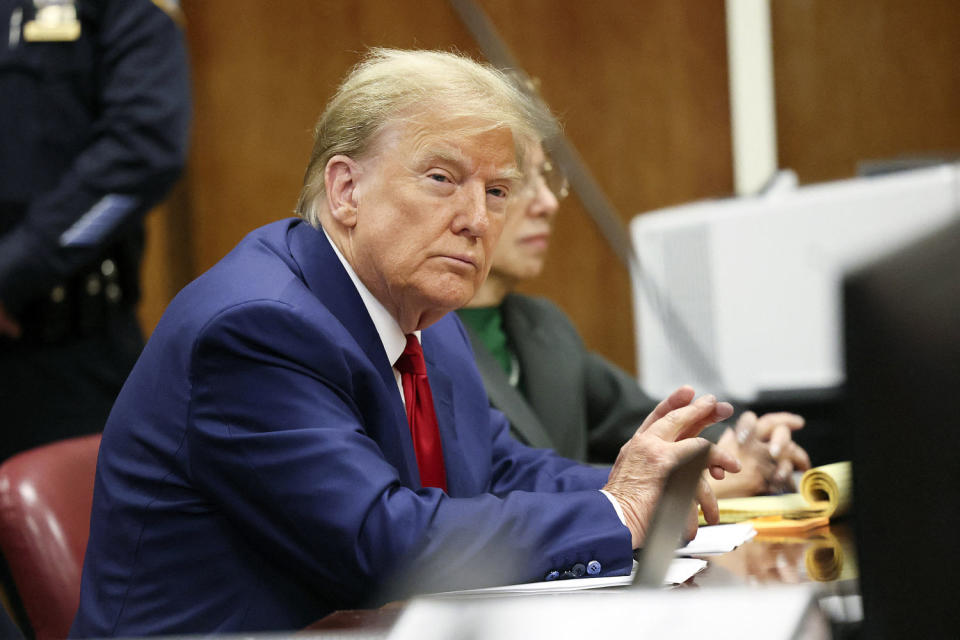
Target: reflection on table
{"type": "Point", "coordinates": [825, 556]}
{"type": "Point", "coordinates": [820, 555]}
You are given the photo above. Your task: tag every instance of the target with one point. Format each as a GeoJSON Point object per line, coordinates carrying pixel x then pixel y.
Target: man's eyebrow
{"type": "Point", "coordinates": [456, 157]}
{"type": "Point", "coordinates": [451, 156]}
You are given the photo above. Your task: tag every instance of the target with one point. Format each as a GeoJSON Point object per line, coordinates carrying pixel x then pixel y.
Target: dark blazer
{"type": "Point", "coordinates": [257, 471]}
{"type": "Point", "coordinates": [570, 399]}
{"type": "Point", "coordinates": [95, 133]}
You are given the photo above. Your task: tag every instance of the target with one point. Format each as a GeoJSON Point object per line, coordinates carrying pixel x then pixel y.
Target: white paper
{"type": "Point", "coordinates": [682, 569]}
{"type": "Point", "coordinates": [719, 538]}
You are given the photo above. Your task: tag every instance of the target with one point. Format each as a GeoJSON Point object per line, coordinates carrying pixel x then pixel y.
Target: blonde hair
{"type": "Point", "coordinates": [391, 85]}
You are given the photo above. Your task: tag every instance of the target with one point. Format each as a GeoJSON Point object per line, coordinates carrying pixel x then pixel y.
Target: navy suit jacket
{"type": "Point", "coordinates": [257, 470]}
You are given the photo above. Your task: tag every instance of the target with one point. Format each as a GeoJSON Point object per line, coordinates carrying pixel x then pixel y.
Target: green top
{"type": "Point", "coordinates": [487, 323]}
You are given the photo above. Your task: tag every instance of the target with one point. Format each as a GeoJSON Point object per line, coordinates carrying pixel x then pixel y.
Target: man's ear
{"type": "Point", "coordinates": [340, 178]}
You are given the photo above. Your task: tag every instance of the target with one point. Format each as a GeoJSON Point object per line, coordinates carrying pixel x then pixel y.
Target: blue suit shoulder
{"type": "Point", "coordinates": [257, 293]}
{"type": "Point", "coordinates": [260, 268]}
{"type": "Point", "coordinates": [251, 268]}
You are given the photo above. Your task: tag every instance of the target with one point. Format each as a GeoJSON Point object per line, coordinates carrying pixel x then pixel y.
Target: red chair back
{"type": "Point", "coordinates": [45, 500]}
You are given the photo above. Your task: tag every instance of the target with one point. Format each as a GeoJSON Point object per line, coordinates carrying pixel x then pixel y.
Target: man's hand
{"type": "Point", "coordinates": [682, 397]}
{"type": "Point", "coordinates": [8, 326]}
{"type": "Point", "coordinates": [667, 436]}
{"type": "Point", "coordinates": [768, 454]}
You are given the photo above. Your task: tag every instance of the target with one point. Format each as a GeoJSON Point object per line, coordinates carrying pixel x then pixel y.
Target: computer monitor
{"type": "Point", "coordinates": [741, 297]}
{"type": "Point", "coordinates": [902, 337]}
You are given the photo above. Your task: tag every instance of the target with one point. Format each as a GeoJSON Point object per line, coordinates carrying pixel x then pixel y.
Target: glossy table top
{"type": "Point", "coordinates": [825, 556]}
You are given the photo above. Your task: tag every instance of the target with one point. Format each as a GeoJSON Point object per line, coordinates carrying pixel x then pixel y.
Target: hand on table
{"type": "Point", "coordinates": [665, 437]}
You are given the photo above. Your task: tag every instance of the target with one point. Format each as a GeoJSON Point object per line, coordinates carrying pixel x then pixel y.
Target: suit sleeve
{"type": "Point", "coordinates": [519, 467]}
{"type": "Point", "coordinates": [278, 442]}
{"type": "Point", "coordinates": [135, 151]}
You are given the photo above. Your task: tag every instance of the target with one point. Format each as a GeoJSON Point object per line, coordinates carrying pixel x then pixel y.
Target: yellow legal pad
{"type": "Point", "coordinates": [778, 525]}
{"type": "Point", "coordinates": [825, 491]}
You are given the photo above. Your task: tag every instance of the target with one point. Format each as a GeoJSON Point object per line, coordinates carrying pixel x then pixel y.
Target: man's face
{"type": "Point", "coordinates": [431, 202]}
{"type": "Point", "coordinates": [523, 245]}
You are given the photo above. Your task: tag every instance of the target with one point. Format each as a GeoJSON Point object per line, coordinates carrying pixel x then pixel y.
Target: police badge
{"type": "Point", "coordinates": [55, 21]}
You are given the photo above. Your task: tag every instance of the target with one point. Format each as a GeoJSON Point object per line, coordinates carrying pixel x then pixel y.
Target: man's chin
{"type": "Point", "coordinates": [452, 303]}
{"type": "Point", "coordinates": [438, 302]}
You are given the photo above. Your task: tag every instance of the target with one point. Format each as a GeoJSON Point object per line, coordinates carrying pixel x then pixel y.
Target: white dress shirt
{"type": "Point", "coordinates": [395, 341]}
{"type": "Point", "coordinates": [391, 335]}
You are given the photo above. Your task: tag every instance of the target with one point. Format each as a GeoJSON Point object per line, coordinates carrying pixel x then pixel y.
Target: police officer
{"type": "Point", "coordinates": [94, 116]}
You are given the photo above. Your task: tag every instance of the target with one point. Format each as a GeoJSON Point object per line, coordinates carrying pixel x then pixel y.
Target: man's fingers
{"type": "Point", "coordinates": [687, 421]}
{"type": "Point", "coordinates": [720, 458]}
{"type": "Point", "coordinates": [670, 426]}
{"type": "Point", "coordinates": [708, 502]}
{"type": "Point", "coordinates": [717, 458]}
{"type": "Point", "coordinates": [681, 397]}
{"type": "Point", "coordinates": [728, 443]}
{"type": "Point", "coordinates": [722, 411]}
{"type": "Point", "coordinates": [728, 440]}
{"type": "Point", "coordinates": [693, 523]}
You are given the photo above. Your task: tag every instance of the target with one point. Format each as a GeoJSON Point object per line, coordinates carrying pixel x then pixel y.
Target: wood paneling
{"type": "Point", "coordinates": [864, 80]}
{"type": "Point", "coordinates": [169, 256]}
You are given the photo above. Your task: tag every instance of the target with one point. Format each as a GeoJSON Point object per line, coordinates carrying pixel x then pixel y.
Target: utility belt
{"type": "Point", "coordinates": [84, 305]}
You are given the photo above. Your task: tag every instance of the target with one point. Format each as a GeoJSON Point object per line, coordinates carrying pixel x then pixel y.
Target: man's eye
{"type": "Point", "coordinates": [439, 177]}
{"type": "Point", "coordinates": [497, 192]}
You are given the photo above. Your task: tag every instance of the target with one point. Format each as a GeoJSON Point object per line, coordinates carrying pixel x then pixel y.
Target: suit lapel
{"type": "Point", "coordinates": [506, 398]}
{"type": "Point", "coordinates": [547, 363]}
{"type": "Point", "coordinates": [329, 282]}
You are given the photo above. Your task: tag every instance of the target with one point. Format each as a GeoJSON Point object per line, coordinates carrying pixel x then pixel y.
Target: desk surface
{"type": "Point", "coordinates": [825, 556]}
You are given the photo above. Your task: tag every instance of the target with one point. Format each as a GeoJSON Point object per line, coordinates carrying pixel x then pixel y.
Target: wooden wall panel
{"type": "Point", "coordinates": [169, 256]}
{"type": "Point", "coordinates": [641, 87]}
{"type": "Point", "coordinates": [864, 80]}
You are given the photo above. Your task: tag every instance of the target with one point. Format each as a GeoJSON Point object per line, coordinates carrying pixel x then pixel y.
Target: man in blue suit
{"type": "Point", "coordinates": [265, 463]}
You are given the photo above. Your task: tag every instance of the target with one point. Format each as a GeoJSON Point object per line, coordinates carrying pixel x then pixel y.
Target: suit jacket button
{"type": "Point", "coordinates": [593, 568]}
{"type": "Point", "coordinates": [553, 575]}
{"type": "Point", "coordinates": [578, 570]}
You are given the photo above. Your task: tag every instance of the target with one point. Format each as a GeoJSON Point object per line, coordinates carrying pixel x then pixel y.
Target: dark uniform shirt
{"type": "Point", "coordinates": [93, 132]}
{"type": "Point", "coordinates": [94, 118]}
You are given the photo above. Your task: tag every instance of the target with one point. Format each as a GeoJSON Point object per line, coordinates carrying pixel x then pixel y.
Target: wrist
{"type": "Point", "coordinates": [631, 517]}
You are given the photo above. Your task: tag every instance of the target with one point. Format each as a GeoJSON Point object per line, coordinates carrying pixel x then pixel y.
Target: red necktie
{"type": "Point", "coordinates": [421, 415]}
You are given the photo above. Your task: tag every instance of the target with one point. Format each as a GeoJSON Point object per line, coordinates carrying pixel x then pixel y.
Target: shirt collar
{"type": "Point", "coordinates": [393, 339]}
